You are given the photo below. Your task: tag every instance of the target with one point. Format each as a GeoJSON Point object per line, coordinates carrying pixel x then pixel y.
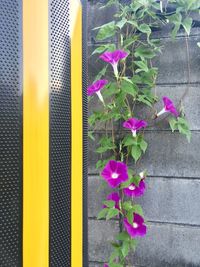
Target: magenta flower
{"type": "Point", "coordinates": [113, 58]}
{"type": "Point", "coordinates": [137, 228]}
{"type": "Point", "coordinates": [135, 191]}
{"type": "Point", "coordinates": [114, 197]}
{"type": "Point", "coordinates": [105, 265]}
{"type": "Point", "coordinates": [134, 125]}
{"type": "Point", "coordinates": [115, 173]}
{"type": "Point", "coordinates": [168, 107]}
{"type": "Point", "coordinates": [96, 88]}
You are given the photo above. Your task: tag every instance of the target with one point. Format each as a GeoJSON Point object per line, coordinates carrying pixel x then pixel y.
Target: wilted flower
{"type": "Point", "coordinates": [137, 228]}
{"type": "Point", "coordinates": [135, 191]}
{"type": "Point", "coordinates": [143, 174]}
{"type": "Point", "coordinates": [113, 58]}
{"type": "Point", "coordinates": [115, 173]}
{"type": "Point", "coordinates": [96, 88]}
{"type": "Point", "coordinates": [134, 125]}
{"type": "Point", "coordinates": [168, 107]}
{"type": "Point", "coordinates": [114, 196]}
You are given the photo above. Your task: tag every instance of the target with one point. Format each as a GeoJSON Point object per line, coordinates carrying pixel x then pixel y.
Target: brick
{"type": "Point", "coordinates": [168, 154]}
{"type": "Point", "coordinates": [101, 233]}
{"type": "Point", "coordinates": [165, 200]}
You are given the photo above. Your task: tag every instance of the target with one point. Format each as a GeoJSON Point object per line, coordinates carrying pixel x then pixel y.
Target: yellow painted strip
{"type": "Point", "coordinates": [35, 134]}
{"type": "Point", "coordinates": [77, 134]}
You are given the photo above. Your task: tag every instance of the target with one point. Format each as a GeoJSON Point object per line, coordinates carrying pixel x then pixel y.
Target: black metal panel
{"type": "Point", "coordinates": [60, 135]}
{"type": "Point", "coordinates": [85, 138]}
{"type": "Point", "coordinates": [11, 133]}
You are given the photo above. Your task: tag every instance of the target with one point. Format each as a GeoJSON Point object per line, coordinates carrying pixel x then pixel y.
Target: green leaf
{"type": "Point", "coordinates": [181, 125]}
{"type": "Point", "coordinates": [176, 20]}
{"type": "Point", "coordinates": [102, 214]}
{"type": "Point", "coordinates": [91, 136]}
{"type": "Point", "coordinates": [145, 100]}
{"type": "Point", "coordinates": [109, 203]}
{"type": "Point", "coordinates": [123, 236]}
{"type": "Point", "coordinates": [127, 80]}
{"type": "Point", "coordinates": [120, 24]}
{"type": "Point", "coordinates": [143, 145]}
{"type": "Point", "coordinates": [138, 209]}
{"type": "Point", "coordinates": [125, 248]}
{"type": "Point", "coordinates": [128, 88]}
{"type": "Point", "coordinates": [127, 205]}
{"type": "Point", "coordinates": [112, 213]}
{"type": "Point", "coordinates": [129, 41]}
{"type": "Point", "coordinates": [144, 28]}
{"type": "Point", "coordinates": [136, 180]}
{"type": "Point", "coordinates": [133, 23]}
{"type": "Point", "coordinates": [130, 216]}
{"type": "Point", "coordinates": [99, 50]}
{"type": "Point", "coordinates": [144, 52]}
{"type": "Point", "coordinates": [142, 65]}
{"type": "Point", "coordinates": [136, 152]}
{"type": "Point", "coordinates": [106, 31]}
{"type": "Point", "coordinates": [111, 89]}
{"type": "Point", "coordinates": [173, 124]}
{"type": "Point", "coordinates": [129, 140]}
{"type": "Point", "coordinates": [187, 24]}
{"type": "Point", "coordinates": [133, 244]}
{"type": "Point", "coordinates": [115, 254]}
{"type": "Point", "coordinates": [101, 73]}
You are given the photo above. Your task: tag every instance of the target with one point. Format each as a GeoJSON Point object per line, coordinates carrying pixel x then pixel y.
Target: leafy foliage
{"type": "Point", "coordinates": [133, 89]}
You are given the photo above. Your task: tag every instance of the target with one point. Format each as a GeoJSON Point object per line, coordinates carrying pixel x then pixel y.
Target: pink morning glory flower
{"type": "Point", "coordinates": [96, 88]}
{"type": "Point", "coordinates": [134, 125]}
{"type": "Point", "coordinates": [113, 58]}
{"type": "Point", "coordinates": [135, 191]}
{"type": "Point", "coordinates": [137, 228]}
{"type": "Point", "coordinates": [115, 173]}
{"type": "Point", "coordinates": [114, 196]}
{"type": "Point", "coordinates": [168, 107]}
{"type": "Point", "coordinates": [106, 265]}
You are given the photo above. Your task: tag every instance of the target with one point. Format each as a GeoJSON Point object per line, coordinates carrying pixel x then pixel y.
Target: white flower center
{"type": "Point", "coordinates": [131, 187]}
{"type": "Point", "coordinates": [115, 175]}
{"type": "Point", "coordinates": [161, 112]}
{"type": "Point", "coordinates": [135, 225]}
{"type": "Point", "coordinates": [134, 132]}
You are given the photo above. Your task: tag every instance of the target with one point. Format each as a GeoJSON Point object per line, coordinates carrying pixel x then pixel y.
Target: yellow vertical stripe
{"type": "Point", "coordinates": [77, 134]}
{"type": "Point", "coordinates": [35, 134]}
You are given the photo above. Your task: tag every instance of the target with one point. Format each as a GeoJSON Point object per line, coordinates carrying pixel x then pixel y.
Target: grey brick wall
{"type": "Point", "coordinates": [172, 201]}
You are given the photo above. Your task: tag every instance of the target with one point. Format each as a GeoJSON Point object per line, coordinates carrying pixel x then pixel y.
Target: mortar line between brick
{"type": "Point", "coordinates": [147, 131]}
{"type": "Point", "coordinates": [159, 177]}
{"type": "Point", "coordinates": [194, 35]}
{"type": "Point", "coordinates": [157, 222]}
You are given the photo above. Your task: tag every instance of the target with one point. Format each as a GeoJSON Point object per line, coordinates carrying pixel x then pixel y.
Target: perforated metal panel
{"type": "Point", "coordinates": [11, 133]}
{"type": "Point", "coordinates": [85, 137]}
{"type": "Point", "coordinates": [60, 135]}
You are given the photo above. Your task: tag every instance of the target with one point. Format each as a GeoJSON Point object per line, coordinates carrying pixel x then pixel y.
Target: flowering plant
{"type": "Point", "coordinates": [123, 90]}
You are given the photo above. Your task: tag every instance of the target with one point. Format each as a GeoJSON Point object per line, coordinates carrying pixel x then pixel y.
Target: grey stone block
{"type": "Point", "coordinates": [165, 200]}
{"type": "Point", "coordinates": [172, 63]}
{"type": "Point", "coordinates": [101, 233]}
{"type": "Point", "coordinates": [165, 245]}
{"type": "Point", "coordinates": [168, 154]}
{"type": "Point", "coordinates": [169, 246]}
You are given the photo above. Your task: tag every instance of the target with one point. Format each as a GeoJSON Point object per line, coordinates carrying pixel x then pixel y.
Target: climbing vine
{"type": "Point", "coordinates": [126, 90]}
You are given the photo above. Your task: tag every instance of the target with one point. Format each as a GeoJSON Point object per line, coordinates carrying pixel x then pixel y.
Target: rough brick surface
{"type": "Point", "coordinates": [165, 200]}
